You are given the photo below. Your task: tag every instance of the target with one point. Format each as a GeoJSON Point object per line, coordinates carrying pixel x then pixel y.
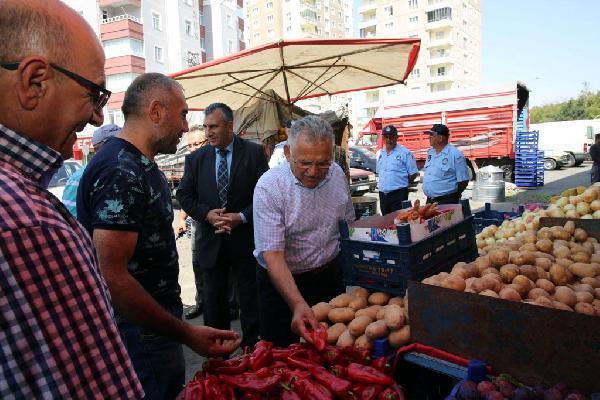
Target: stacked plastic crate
{"type": "Point", "coordinates": [529, 161]}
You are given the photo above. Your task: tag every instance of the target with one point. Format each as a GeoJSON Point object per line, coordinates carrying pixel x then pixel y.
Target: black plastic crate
{"type": "Point", "coordinates": [488, 217]}
{"type": "Point", "coordinates": [389, 268]}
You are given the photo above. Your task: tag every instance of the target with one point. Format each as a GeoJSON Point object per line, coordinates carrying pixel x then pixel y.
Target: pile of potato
{"type": "Point", "coordinates": [358, 318]}
{"type": "Point", "coordinates": [555, 267]}
{"type": "Point", "coordinates": [578, 202]}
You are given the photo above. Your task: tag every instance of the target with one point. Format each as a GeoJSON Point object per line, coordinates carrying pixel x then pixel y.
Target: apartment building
{"type": "Point", "coordinates": [143, 36]}
{"type": "Point", "coordinates": [450, 55]}
{"type": "Point", "coordinates": [224, 22]}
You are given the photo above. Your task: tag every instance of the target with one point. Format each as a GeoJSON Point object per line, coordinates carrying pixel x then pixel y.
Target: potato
{"type": "Point", "coordinates": [488, 271]}
{"type": "Point", "coordinates": [542, 273]}
{"type": "Point", "coordinates": [544, 263]}
{"type": "Point", "coordinates": [541, 254]}
{"type": "Point", "coordinates": [583, 287]}
{"type": "Point", "coordinates": [399, 337]}
{"type": "Point", "coordinates": [358, 303]}
{"type": "Point", "coordinates": [597, 293]}
{"type": "Point", "coordinates": [565, 296]}
{"type": "Point", "coordinates": [582, 257]}
{"type": "Point", "coordinates": [523, 258]}
{"type": "Point", "coordinates": [570, 227]}
{"type": "Point", "coordinates": [508, 293]}
{"type": "Point", "coordinates": [358, 325]}
{"type": "Point", "coordinates": [321, 310]}
{"type": "Point", "coordinates": [341, 301]}
{"type": "Point", "coordinates": [546, 285]}
{"type": "Point", "coordinates": [394, 316]}
{"type": "Point", "coordinates": [558, 232]}
{"type": "Point", "coordinates": [360, 292]}
{"type": "Point", "coordinates": [377, 329]}
{"type": "Point", "coordinates": [544, 245]}
{"type": "Point", "coordinates": [558, 275]}
{"type": "Point", "coordinates": [334, 332]}
{"type": "Point", "coordinates": [560, 306]}
{"type": "Point", "coordinates": [528, 237]}
{"type": "Point", "coordinates": [380, 314]}
{"type": "Point", "coordinates": [565, 262]}
{"type": "Point", "coordinates": [580, 235]}
{"type": "Point", "coordinates": [583, 270]}
{"type": "Point", "coordinates": [537, 292]}
{"type": "Point", "coordinates": [482, 262]}
{"type": "Point", "coordinates": [593, 282]}
{"type": "Point", "coordinates": [524, 283]}
{"type": "Point", "coordinates": [544, 301]}
{"type": "Point", "coordinates": [498, 257]}
{"type": "Point", "coordinates": [324, 325]}
{"type": "Point", "coordinates": [492, 282]}
{"type": "Point", "coordinates": [454, 282]}
{"type": "Point", "coordinates": [508, 272]}
{"type": "Point", "coordinates": [345, 339]}
{"type": "Point", "coordinates": [370, 312]}
{"type": "Point", "coordinates": [489, 293]}
{"type": "Point", "coordinates": [342, 314]}
{"type": "Point", "coordinates": [399, 301]}
{"type": "Point", "coordinates": [464, 270]}
{"type": "Point", "coordinates": [562, 252]}
{"type": "Point", "coordinates": [379, 298]}
{"type": "Point", "coordinates": [528, 247]}
{"type": "Point", "coordinates": [529, 271]}
{"type": "Point", "coordinates": [584, 297]}
{"type": "Point", "coordinates": [585, 308]}
{"type": "Point", "coordinates": [363, 343]}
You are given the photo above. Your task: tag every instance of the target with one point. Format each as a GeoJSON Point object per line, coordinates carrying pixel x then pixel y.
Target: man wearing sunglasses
{"type": "Point", "coordinates": [297, 206]}
{"type": "Point", "coordinates": [59, 336]}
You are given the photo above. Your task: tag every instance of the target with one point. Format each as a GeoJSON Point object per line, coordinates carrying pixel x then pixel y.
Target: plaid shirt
{"type": "Point", "coordinates": [58, 337]}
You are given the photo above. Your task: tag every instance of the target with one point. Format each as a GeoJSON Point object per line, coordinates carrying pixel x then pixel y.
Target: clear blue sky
{"type": "Point", "coordinates": [551, 45]}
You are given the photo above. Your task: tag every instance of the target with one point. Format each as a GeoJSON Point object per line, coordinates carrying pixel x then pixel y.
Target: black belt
{"type": "Point", "coordinates": [320, 269]}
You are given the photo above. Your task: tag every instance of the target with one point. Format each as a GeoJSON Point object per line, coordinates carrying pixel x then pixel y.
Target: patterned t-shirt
{"type": "Point", "coordinates": [121, 189]}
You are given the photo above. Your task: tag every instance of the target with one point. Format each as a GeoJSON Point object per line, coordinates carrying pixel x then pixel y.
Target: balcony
{"type": "Point", "coordinates": [120, 3]}
{"type": "Point", "coordinates": [440, 59]}
{"type": "Point", "coordinates": [125, 64]}
{"type": "Point", "coordinates": [121, 26]}
{"type": "Point", "coordinates": [434, 78]}
{"type": "Point", "coordinates": [308, 21]}
{"type": "Point", "coordinates": [368, 23]}
{"type": "Point", "coordinates": [367, 5]}
{"type": "Point", "coordinates": [442, 23]}
{"type": "Point", "coordinates": [433, 5]}
{"type": "Point", "coordinates": [307, 5]}
{"type": "Point", "coordinates": [368, 32]}
{"type": "Point", "coordinates": [448, 40]}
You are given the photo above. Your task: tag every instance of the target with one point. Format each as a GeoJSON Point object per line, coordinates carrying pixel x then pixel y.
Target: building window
{"type": "Point", "coordinates": [256, 36]}
{"type": "Point", "coordinates": [255, 11]}
{"type": "Point", "coordinates": [271, 32]}
{"type": "Point", "coordinates": [188, 28]}
{"type": "Point", "coordinates": [389, 10]}
{"type": "Point", "coordinates": [270, 19]}
{"type": "Point", "coordinates": [158, 54]}
{"type": "Point", "coordinates": [123, 47]}
{"type": "Point", "coordinates": [270, 5]}
{"type": "Point", "coordinates": [189, 2]}
{"type": "Point", "coordinates": [255, 23]}
{"type": "Point", "coordinates": [415, 73]}
{"type": "Point", "coordinates": [288, 28]}
{"type": "Point", "coordinates": [230, 46]}
{"type": "Point", "coordinates": [441, 71]}
{"type": "Point", "coordinates": [193, 59]}
{"type": "Point", "coordinates": [439, 14]}
{"type": "Point", "coordinates": [389, 26]}
{"type": "Point", "coordinates": [202, 43]}
{"type": "Point", "coordinates": [229, 20]}
{"type": "Point", "coordinates": [412, 4]}
{"type": "Point", "coordinates": [104, 15]}
{"type": "Point", "coordinates": [440, 35]}
{"type": "Point", "coordinates": [116, 117]}
{"type": "Point", "coordinates": [156, 23]}
{"type": "Point", "coordinates": [390, 92]}
{"type": "Point", "coordinates": [413, 20]}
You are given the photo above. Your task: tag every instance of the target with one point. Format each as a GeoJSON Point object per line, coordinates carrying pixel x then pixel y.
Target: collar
{"type": "Point", "coordinates": [229, 147]}
{"type": "Point", "coordinates": [33, 158]}
{"type": "Point", "coordinates": [298, 183]}
{"type": "Point", "coordinates": [445, 150]}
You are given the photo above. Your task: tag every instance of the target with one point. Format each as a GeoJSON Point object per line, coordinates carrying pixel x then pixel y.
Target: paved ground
{"type": "Point", "coordinates": [555, 182]}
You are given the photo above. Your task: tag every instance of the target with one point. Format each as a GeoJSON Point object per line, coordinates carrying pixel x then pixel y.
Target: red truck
{"type": "Point", "coordinates": [482, 124]}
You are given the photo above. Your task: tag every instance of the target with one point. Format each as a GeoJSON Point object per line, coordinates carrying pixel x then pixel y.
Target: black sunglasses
{"type": "Point", "coordinates": [98, 94]}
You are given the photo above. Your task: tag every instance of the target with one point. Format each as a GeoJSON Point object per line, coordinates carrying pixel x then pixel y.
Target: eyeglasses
{"type": "Point", "coordinates": [98, 94]}
{"type": "Point", "coordinates": [322, 165]}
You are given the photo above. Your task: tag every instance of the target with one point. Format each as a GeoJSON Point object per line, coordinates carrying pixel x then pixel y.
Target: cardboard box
{"type": "Point", "coordinates": [381, 229]}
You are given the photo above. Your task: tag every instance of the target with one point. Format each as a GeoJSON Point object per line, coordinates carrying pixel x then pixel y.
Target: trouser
{"type": "Point", "coordinates": [322, 284]}
{"type": "Point", "coordinates": [158, 361]}
{"type": "Point", "coordinates": [392, 201]}
{"type": "Point", "coordinates": [595, 173]}
{"type": "Point", "coordinates": [451, 198]}
{"type": "Point", "coordinates": [216, 297]}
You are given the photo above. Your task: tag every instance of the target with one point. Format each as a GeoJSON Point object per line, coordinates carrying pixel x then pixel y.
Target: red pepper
{"type": "Point", "coordinates": [318, 337]}
{"type": "Point", "coordinates": [211, 365]}
{"type": "Point", "coordinates": [234, 366]}
{"type": "Point", "coordinates": [290, 376]}
{"type": "Point", "coordinates": [261, 356]}
{"type": "Point", "coordinates": [337, 385]}
{"type": "Point", "coordinates": [357, 390]}
{"type": "Point", "coordinates": [193, 391]}
{"type": "Point", "coordinates": [392, 393]}
{"type": "Point", "coordinates": [331, 355]}
{"type": "Point", "coordinates": [370, 392]}
{"type": "Point", "coordinates": [366, 374]}
{"type": "Point", "coordinates": [280, 354]}
{"type": "Point", "coordinates": [356, 355]}
{"type": "Point", "coordinates": [251, 396]}
{"type": "Point", "coordinates": [211, 387]}
{"type": "Point", "coordinates": [289, 395]}
{"type": "Point", "coordinates": [252, 382]}
{"type": "Point", "coordinates": [226, 392]}
{"type": "Point", "coordinates": [301, 363]}
{"type": "Point", "coordinates": [382, 365]}
{"type": "Point", "coordinates": [310, 390]}
{"type": "Point", "coordinates": [338, 370]}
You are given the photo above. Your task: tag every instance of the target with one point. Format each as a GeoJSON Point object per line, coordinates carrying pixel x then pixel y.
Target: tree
{"type": "Point", "coordinates": [585, 106]}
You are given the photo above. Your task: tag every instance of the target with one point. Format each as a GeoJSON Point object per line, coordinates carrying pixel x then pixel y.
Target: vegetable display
{"type": "Point", "coordinates": [416, 213]}
{"type": "Point", "coordinates": [504, 387]}
{"type": "Point", "coordinates": [301, 371]}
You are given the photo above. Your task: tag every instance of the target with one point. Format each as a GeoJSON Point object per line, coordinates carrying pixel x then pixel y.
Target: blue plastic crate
{"type": "Point", "coordinates": [488, 217]}
{"type": "Point", "coordinates": [389, 268]}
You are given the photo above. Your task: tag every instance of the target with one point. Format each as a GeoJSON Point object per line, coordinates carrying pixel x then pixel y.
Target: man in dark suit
{"type": "Point", "coordinates": [216, 190]}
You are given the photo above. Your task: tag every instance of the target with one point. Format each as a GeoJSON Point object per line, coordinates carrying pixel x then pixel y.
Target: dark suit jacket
{"type": "Point", "coordinates": [197, 194]}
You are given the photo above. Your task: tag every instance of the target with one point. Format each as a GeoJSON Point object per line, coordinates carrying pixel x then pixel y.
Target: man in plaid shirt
{"type": "Point", "coordinates": [58, 338]}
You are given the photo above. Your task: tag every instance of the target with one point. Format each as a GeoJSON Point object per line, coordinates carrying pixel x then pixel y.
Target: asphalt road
{"type": "Point", "coordinates": [555, 182]}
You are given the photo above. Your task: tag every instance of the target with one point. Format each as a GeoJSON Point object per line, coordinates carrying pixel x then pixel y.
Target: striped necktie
{"type": "Point", "coordinates": [223, 177]}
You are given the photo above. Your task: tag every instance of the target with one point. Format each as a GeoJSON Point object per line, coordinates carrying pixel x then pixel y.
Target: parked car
{"type": "Point", "coordinates": [362, 181]}
{"type": "Point", "coordinates": [60, 178]}
{"type": "Point", "coordinates": [555, 159]}
{"type": "Point", "coordinates": [363, 158]}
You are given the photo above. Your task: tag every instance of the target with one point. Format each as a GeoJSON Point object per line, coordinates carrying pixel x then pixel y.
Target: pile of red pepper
{"type": "Point", "coordinates": [300, 372]}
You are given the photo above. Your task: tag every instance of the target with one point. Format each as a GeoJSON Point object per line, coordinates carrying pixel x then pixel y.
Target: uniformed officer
{"type": "Point", "coordinates": [396, 167]}
{"type": "Point", "coordinates": [446, 171]}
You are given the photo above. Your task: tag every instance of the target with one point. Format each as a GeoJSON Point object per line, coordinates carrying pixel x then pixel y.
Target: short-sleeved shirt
{"type": "Point", "coordinates": [121, 189]}
{"type": "Point", "coordinates": [443, 171]}
{"type": "Point", "coordinates": [301, 222]}
{"type": "Point", "coordinates": [394, 168]}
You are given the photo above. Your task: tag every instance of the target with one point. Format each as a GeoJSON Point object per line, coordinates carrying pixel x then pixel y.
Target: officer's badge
{"type": "Point", "coordinates": [445, 161]}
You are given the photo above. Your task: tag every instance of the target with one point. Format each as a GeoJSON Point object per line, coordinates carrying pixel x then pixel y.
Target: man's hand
{"type": "Point", "coordinates": [216, 218]}
{"type": "Point", "coordinates": [234, 221]}
{"type": "Point", "coordinates": [304, 321]}
{"type": "Point", "coordinates": [211, 342]}
{"type": "Point", "coordinates": [181, 228]}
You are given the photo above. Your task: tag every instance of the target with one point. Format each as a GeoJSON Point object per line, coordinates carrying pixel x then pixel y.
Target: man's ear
{"type": "Point", "coordinates": [286, 151]}
{"type": "Point", "coordinates": [230, 126]}
{"type": "Point", "coordinates": [34, 76]}
{"type": "Point", "coordinates": [156, 111]}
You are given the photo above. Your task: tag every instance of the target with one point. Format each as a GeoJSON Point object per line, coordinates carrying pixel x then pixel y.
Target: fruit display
{"type": "Point", "coordinates": [358, 318]}
{"type": "Point", "coordinates": [557, 267]}
{"type": "Point", "coordinates": [506, 388]}
{"type": "Point", "coordinates": [301, 371]}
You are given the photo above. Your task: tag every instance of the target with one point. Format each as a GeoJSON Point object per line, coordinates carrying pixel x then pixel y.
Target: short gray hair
{"type": "Point", "coordinates": [145, 86]}
{"type": "Point", "coordinates": [315, 129]}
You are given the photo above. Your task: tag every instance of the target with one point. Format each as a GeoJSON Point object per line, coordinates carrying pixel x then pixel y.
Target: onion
{"type": "Point", "coordinates": [596, 214]}
{"type": "Point", "coordinates": [595, 205]}
{"type": "Point", "coordinates": [589, 195]}
{"type": "Point", "coordinates": [563, 201]}
{"type": "Point", "coordinates": [587, 216]}
{"type": "Point", "coordinates": [583, 208]}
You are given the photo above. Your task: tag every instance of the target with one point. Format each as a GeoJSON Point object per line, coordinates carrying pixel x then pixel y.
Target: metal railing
{"type": "Point", "coordinates": [123, 17]}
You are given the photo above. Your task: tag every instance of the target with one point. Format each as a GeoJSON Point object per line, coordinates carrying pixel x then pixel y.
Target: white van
{"type": "Point", "coordinates": [573, 137]}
